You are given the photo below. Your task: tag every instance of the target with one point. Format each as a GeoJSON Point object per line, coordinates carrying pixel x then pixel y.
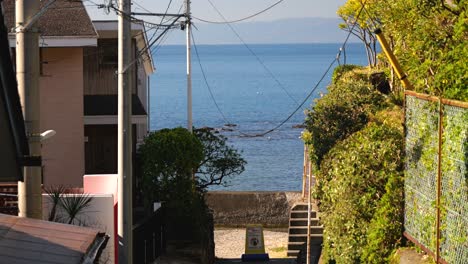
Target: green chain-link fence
{"type": "Point", "coordinates": [436, 202]}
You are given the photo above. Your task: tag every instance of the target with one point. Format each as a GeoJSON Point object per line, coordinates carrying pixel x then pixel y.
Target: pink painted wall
{"type": "Point", "coordinates": [61, 92]}
{"type": "Point", "coordinates": [105, 184]}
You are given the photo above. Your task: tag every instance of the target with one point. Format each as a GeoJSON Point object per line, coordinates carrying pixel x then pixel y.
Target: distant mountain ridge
{"type": "Point", "coordinates": [284, 31]}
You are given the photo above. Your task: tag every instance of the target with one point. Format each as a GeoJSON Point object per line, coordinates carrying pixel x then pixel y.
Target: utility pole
{"type": "Point", "coordinates": [27, 74]}
{"type": "Point", "coordinates": [188, 25]}
{"type": "Point", "coordinates": [124, 131]}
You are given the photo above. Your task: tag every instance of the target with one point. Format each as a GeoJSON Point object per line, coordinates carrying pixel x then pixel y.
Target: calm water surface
{"type": "Point", "coordinates": [250, 98]}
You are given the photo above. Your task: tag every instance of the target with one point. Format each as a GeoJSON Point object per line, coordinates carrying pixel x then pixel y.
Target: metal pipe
{"type": "Point", "coordinates": [309, 207]}
{"type": "Point", "coordinates": [393, 60]}
{"type": "Point", "coordinates": [304, 172]}
{"type": "Point", "coordinates": [439, 180]}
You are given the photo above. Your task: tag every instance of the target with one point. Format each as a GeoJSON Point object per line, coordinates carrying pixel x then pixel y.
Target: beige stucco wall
{"type": "Point", "coordinates": [61, 88]}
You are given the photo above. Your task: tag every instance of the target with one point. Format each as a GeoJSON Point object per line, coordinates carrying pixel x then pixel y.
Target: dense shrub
{"type": "Point", "coordinates": [342, 69]}
{"type": "Point", "coordinates": [361, 182]}
{"type": "Point", "coordinates": [355, 137]}
{"type": "Point", "coordinates": [344, 110]}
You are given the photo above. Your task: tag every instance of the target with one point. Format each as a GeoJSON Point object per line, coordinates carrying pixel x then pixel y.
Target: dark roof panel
{"type": "Point", "coordinates": [27, 240]}
{"type": "Point", "coordinates": [96, 105]}
{"type": "Point", "coordinates": [63, 18]}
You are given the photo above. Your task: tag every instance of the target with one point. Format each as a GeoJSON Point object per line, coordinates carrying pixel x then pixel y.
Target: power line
{"type": "Point", "coordinates": [162, 20]}
{"type": "Point", "coordinates": [206, 81]}
{"type": "Point", "coordinates": [160, 39]}
{"type": "Point", "coordinates": [241, 19]}
{"type": "Point", "coordinates": [148, 47]}
{"type": "Point", "coordinates": [282, 122]}
{"type": "Point", "coordinates": [151, 41]}
{"type": "Point", "coordinates": [165, 37]}
{"type": "Point", "coordinates": [140, 6]}
{"type": "Point", "coordinates": [306, 98]}
{"type": "Point", "coordinates": [255, 55]}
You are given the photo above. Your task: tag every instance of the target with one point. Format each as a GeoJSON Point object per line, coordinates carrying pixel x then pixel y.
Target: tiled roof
{"type": "Point", "coordinates": [95, 105]}
{"type": "Point", "coordinates": [24, 240]}
{"type": "Point", "coordinates": [63, 18]}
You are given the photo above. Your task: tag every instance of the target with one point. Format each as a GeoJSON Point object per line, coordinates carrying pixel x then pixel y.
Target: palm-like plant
{"type": "Point", "coordinates": [74, 205]}
{"type": "Point", "coordinates": [55, 192]}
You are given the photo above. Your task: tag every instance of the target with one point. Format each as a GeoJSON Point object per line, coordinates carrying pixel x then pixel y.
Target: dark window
{"type": "Point", "coordinates": [108, 51]}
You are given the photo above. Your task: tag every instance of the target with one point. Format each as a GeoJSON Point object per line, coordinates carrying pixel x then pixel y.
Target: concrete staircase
{"type": "Point", "coordinates": [298, 229]}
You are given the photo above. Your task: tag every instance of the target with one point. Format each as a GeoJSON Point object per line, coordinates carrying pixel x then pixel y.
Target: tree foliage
{"type": "Point", "coordinates": [429, 38]}
{"type": "Point", "coordinates": [175, 161]}
{"type": "Point", "coordinates": [177, 167]}
{"type": "Point", "coordinates": [360, 27]}
{"type": "Point", "coordinates": [168, 160]}
{"type": "Point", "coordinates": [220, 160]}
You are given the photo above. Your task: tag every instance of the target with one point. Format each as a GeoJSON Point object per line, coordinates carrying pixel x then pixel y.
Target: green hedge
{"type": "Point", "coordinates": [355, 137]}
{"type": "Point", "coordinates": [361, 182]}
{"type": "Point", "coordinates": [344, 110]}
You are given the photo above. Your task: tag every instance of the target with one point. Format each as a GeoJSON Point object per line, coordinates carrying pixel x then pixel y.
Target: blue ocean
{"type": "Point", "coordinates": [250, 97]}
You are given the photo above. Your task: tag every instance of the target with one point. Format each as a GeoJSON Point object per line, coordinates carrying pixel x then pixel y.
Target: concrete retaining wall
{"type": "Point", "coordinates": [237, 209]}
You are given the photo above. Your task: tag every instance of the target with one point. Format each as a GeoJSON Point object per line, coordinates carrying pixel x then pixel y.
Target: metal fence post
{"type": "Point", "coordinates": [439, 180]}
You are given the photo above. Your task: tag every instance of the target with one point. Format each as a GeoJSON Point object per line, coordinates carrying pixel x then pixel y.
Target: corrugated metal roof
{"type": "Point", "coordinates": [63, 18]}
{"type": "Point", "coordinates": [25, 240]}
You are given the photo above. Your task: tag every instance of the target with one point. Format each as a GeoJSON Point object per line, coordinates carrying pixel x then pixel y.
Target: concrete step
{"type": "Point", "coordinates": [299, 207]}
{"type": "Point", "coordinates": [302, 214]}
{"type": "Point", "coordinates": [314, 238]}
{"type": "Point", "coordinates": [303, 222]}
{"type": "Point", "coordinates": [293, 253]}
{"type": "Point", "coordinates": [295, 245]}
{"type": "Point", "coordinates": [303, 230]}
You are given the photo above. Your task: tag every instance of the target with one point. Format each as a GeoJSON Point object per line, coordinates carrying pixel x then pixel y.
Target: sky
{"type": "Point", "coordinates": [290, 21]}
{"type": "Point", "coordinates": [232, 9]}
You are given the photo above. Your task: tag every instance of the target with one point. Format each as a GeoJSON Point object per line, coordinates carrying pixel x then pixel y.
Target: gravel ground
{"type": "Point", "coordinates": [230, 242]}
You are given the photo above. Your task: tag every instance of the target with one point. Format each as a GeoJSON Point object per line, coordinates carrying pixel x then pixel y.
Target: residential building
{"type": "Point", "coordinates": [78, 91]}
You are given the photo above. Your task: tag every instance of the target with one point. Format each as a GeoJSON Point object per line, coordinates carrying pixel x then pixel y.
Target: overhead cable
{"type": "Point", "coordinates": [206, 80]}
{"type": "Point", "coordinates": [337, 57]}
{"type": "Point", "coordinates": [238, 20]}
{"type": "Point", "coordinates": [255, 55]}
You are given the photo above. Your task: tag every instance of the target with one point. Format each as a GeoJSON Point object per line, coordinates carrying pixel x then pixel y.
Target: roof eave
{"type": "Point", "coordinates": [60, 41]}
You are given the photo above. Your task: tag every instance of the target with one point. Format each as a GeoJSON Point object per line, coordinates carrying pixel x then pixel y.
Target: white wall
{"type": "Point", "coordinates": [99, 215]}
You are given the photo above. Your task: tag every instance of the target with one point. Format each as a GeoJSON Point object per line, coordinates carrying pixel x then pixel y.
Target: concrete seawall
{"type": "Point", "coordinates": [237, 209]}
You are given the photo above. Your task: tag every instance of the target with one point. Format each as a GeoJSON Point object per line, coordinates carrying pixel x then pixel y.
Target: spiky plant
{"type": "Point", "coordinates": [74, 205]}
{"type": "Point", "coordinates": [55, 193]}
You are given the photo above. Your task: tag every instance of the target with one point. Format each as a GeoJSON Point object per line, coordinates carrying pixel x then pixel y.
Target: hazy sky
{"type": "Point", "coordinates": [234, 9]}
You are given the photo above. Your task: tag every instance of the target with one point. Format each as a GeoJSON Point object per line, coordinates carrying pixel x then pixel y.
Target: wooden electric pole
{"type": "Point", "coordinates": [27, 74]}
{"type": "Point", "coordinates": [124, 138]}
